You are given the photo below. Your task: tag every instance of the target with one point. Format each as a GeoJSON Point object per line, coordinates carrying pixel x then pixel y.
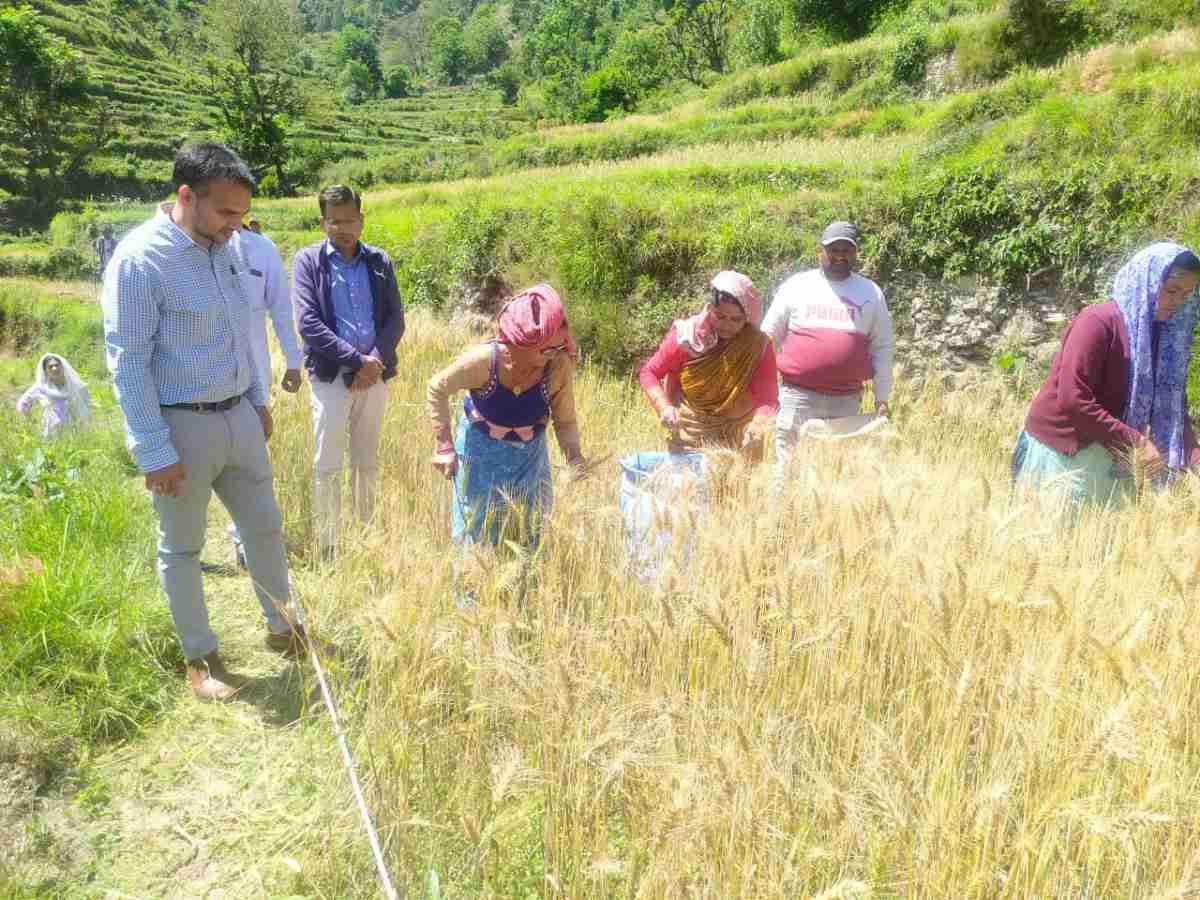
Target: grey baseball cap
{"type": "Point", "coordinates": [839, 231]}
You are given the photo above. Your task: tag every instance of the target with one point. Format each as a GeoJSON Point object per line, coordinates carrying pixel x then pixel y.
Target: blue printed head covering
{"type": "Point", "coordinates": [1156, 387]}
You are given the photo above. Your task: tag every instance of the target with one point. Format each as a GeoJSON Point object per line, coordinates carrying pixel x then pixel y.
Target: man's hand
{"type": "Point", "coordinates": [291, 381]}
{"type": "Point", "coordinates": [370, 371]}
{"type": "Point", "coordinates": [882, 408]}
{"type": "Point", "coordinates": [268, 424]}
{"type": "Point", "coordinates": [166, 482]}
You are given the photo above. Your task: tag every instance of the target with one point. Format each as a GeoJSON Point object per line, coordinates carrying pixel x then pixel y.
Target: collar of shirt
{"type": "Point", "coordinates": [335, 255]}
{"type": "Point", "coordinates": [180, 238]}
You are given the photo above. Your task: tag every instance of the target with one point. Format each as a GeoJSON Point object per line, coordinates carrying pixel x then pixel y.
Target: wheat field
{"type": "Point", "coordinates": [901, 680]}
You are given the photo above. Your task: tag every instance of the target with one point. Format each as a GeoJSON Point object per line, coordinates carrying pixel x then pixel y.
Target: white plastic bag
{"type": "Point", "coordinates": [660, 492]}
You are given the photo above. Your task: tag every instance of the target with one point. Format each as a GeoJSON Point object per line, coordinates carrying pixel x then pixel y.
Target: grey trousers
{"type": "Point", "coordinates": [223, 452]}
{"type": "Point", "coordinates": [797, 406]}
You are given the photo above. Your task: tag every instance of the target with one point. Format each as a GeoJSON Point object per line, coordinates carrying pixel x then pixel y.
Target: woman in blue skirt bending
{"type": "Point", "coordinates": [515, 386]}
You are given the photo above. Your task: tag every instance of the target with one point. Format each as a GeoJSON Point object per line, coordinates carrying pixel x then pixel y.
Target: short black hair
{"type": "Point", "coordinates": [1187, 261]}
{"type": "Point", "coordinates": [336, 195]}
{"type": "Point", "coordinates": [198, 165]}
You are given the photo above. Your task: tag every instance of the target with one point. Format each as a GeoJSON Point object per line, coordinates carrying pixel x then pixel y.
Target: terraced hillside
{"type": "Point", "coordinates": [142, 69]}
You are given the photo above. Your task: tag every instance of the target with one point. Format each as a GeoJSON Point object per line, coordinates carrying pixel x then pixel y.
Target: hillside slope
{"type": "Point", "coordinates": [140, 66]}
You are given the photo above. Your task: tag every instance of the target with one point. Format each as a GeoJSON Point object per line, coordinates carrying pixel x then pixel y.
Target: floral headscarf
{"type": "Point", "coordinates": [533, 317]}
{"type": "Point", "coordinates": [1156, 387]}
{"type": "Point", "coordinates": [698, 333]}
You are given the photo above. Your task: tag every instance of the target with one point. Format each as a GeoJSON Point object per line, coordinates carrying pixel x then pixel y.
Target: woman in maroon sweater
{"type": "Point", "coordinates": [1115, 399]}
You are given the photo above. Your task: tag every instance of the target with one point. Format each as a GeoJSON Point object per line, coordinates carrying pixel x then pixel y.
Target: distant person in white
{"type": "Point", "coordinates": [269, 293]}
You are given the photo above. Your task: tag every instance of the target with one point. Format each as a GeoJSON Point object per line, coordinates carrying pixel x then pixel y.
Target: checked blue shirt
{"type": "Point", "coordinates": [176, 330]}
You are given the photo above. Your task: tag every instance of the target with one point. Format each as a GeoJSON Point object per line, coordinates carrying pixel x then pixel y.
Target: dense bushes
{"type": "Point", "coordinates": [60, 262]}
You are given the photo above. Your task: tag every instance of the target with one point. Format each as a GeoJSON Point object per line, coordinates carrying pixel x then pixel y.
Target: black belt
{"type": "Point", "coordinates": [219, 406]}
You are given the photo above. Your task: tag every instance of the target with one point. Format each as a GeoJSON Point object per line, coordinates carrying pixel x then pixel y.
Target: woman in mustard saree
{"type": "Point", "coordinates": [713, 380]}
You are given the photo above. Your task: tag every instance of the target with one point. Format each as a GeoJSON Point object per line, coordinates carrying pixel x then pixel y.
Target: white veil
{"type": "Point", "coordinates": [74, 390]}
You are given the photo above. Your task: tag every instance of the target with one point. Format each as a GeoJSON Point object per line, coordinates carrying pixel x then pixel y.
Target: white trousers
{"type": "Point", "coordinates": [341, 415]}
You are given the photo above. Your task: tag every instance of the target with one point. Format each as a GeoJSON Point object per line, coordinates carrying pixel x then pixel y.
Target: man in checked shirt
{"type": "Point", "coordinates": [176, 328]}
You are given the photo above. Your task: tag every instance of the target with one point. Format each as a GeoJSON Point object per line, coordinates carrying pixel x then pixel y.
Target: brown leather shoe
{"type": "Point", "coordinates": [208, 678]}
{"type": "Point", "coordinates": [294, 644]}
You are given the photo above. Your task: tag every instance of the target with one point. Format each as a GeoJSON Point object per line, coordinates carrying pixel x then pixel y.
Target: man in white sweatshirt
{"type": "Point", "coordinates": [267, 286]}
{"type": "Point", "coordinates": [832, 333]}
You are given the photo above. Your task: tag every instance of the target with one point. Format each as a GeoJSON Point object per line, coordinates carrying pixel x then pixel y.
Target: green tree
{"type": "Point", "coordinates": [355, 82]}
{"type": "Point", "coordinates": [698, 36]}
{"type": "Point", "coordinates": [643, 57]}
{"type": "Point", "coordinates": [603, 92]}
{"type": "Point", "coordinates": [841, 20]}
{"type": "Point", "coordinates": [506, 78]}
{"type": "Point", "coordinates": [759, 39]}
{"type": "Point", "coordinates": [448, 58]}
{"type": "Point", "coordinates": [248, 76]}
{"type": "Point", "coordinates": [50, 122]}
{"type": "Point", "coordinates": [357, 44]}
{"type": "Point", "coordinates": [398, 82]}
{"type": "Point", "coordinates": [484, 41]}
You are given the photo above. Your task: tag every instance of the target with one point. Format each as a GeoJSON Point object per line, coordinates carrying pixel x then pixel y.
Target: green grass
{"type": "Point", "coordinates": [86, 642]}
{"type": "Point", "coordinates": [39, 317]}
{"type": "Point", "coordinates": [1055, 171]}
{"type": "Point", "coordinates": [1031, 174]}
{"type": "Point", "coordinates": [83, 639]}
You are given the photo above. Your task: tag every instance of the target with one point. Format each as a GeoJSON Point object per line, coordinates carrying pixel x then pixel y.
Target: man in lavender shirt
{"type": "Point", "coordinates": [350, 318]}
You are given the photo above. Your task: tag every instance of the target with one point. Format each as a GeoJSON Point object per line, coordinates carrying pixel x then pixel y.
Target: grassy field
{"type": "Point", "coordinates": [900, 680]}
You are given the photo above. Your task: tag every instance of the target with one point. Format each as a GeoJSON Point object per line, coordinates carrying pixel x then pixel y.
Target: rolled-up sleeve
{"type": "Point", "coordinates": [130, 324]}
{"type": "Point", "coordinates": [470, 370]}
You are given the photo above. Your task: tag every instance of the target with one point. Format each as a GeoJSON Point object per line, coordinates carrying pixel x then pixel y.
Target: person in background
{"type": "Point", "coordinates": [1115, 401]}
{"type": "Point", "coordinates": [833, 333]}
{"type": "Point", "coordinates": [176, 326]}
{"type": "Point", "coordinates": [350, 317]}
{"type": "Point", "coordinates": [515, 386]}
{"type": "Point", "coordinates": [254, 225]}
{"type": "Point", "coordinates": [105, 246]}
{"type": "Point", "coordinates": [62, 394]}
{"type": "Point", "coordinates": [267, 285]}
{"type": "Point", "coordinates": [719, 368]}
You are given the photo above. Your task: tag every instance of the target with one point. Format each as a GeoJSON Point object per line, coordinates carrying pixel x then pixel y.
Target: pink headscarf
{"type": "Point", "coordinates": [698, 333]}
{"type": "Point", "coordinates": [533, 317]}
